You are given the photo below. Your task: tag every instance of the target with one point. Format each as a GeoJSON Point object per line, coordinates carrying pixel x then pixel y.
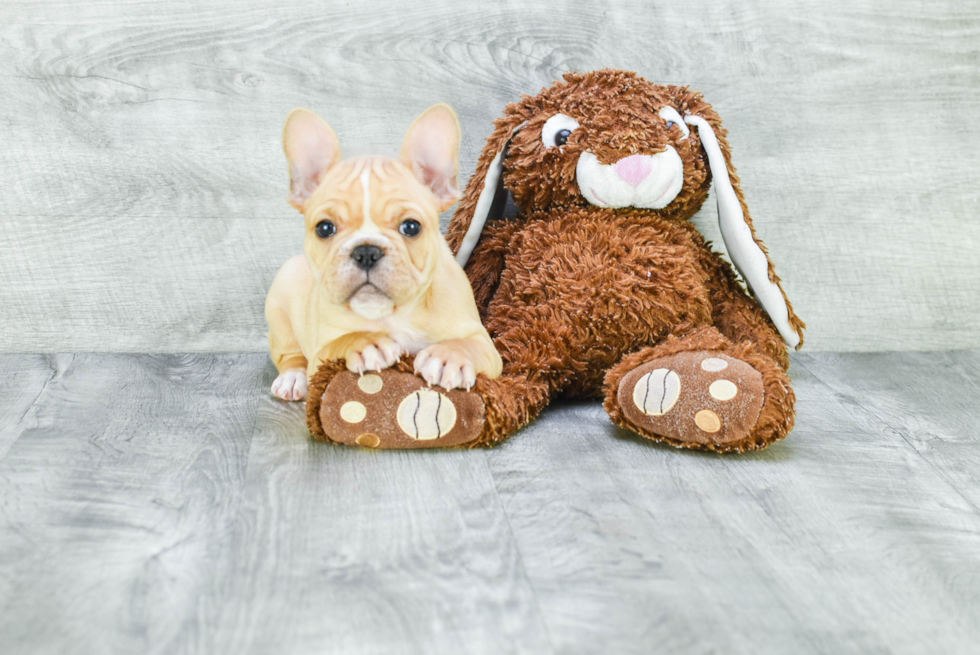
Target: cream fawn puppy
{"type": "Point", "coordinates": [376, 279]}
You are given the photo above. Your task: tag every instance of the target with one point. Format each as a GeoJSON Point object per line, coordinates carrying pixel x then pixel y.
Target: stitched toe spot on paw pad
{"type": "Point", "coordinates": [707, 421]}
{"type": "Point", "coordinates": [426, 414]}
{"type": "Point", "coordinates": [714, 364]}
{"type": "Point", "coordinates": [657, 392]}
{"type": "Point", "coordinates": [353, 411]}
{"type": "Point", "coordinates": [368, 440]}
{"type": "Point", "coordinates": [723, 390]}
{"type": "Point", "coordinates": [370, 383]}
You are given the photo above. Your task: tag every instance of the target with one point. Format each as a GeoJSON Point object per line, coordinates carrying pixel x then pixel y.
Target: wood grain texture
{"type": "Point", "coordinates": [928, 399]}
{"type": "Point", "coordinates": [116, 498]}
{"type": "Point", "coordinates": [22, 383]}
{"type": "Point", "coordinates": [166, 504]}
{"type": "Point", "coordinates": [841, 539]}
{"type": "Point", "coordinates": [143, 203]}
{"type": "Point", "coordinates": [345, 550]}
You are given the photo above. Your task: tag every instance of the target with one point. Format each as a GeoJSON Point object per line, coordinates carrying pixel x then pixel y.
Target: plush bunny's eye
{"type": "Point", "coordinates": [557, 129]}
{"type": "Point", "coordinates": [670, 115]}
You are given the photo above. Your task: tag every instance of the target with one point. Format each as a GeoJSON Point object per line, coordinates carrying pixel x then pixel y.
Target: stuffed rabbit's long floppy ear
{"type": "Point", "coordinates": [745, 249]}
{"type": "Point", "coordinates": [486, 198]}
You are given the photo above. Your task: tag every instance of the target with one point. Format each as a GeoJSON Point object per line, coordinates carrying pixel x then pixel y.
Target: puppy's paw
{"type": "Point", "coordinates": [375, 354]}
{"type": "Point", "coordinates": [446, 365]}
{"type": "Point", "coordinates": [291, 384]}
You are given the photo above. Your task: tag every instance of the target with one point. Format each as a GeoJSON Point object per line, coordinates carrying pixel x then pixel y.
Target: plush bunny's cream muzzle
{"type": "Point", "coordinates": [645, 181]}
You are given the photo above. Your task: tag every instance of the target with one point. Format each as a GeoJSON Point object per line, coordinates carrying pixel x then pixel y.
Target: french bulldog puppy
{"type": "Point", "coordinates": [376, 279]}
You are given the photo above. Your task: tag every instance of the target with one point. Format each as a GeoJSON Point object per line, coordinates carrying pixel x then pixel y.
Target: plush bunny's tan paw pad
{"type": "Point", "coordinates": [392, 409]}
{"type": "Point", "coordinates": [694, 397]}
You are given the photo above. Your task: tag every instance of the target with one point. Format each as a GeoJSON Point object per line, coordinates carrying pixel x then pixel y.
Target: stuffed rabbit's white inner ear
{"type": "Point", "coordinates": [493, 186]}
{"type": "Point", "coordinates": [743, 250]}
{"type": "Point", "coordinates": [481, 213]}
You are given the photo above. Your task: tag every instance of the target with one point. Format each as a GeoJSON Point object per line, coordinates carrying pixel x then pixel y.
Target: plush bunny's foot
{"type": "Point", "coordinates": [392, 408]}
{"type": "Point", "coordinates": [698, 399]}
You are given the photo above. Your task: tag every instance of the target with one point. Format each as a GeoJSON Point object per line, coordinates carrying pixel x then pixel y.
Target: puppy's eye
{"type": "Point", "coordinates": [557, 129]}
{"type": "Point", "coordinates": [325, 229]}
{"type": "Point", "coordinates": [410, 228]}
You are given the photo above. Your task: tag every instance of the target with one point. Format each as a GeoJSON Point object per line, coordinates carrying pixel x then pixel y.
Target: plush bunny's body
{"type": "Point", "coordinates": [575, 233]}
{"type": "Point", "coordinates": [600, 285]}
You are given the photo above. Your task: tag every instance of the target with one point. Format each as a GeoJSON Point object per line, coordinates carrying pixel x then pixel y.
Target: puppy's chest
{"type": "Point", "coordinates": [408, 336]}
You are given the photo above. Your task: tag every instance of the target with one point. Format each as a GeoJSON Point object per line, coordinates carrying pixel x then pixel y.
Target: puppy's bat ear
{"type": "Point", "coordinates": [311, 147]}
{"type": "Point", "coordinates": [431, 151]}
{"type": "Point", "coordinates": [486, 196]}
{"type": "Point", "coordinates": [746, 251]}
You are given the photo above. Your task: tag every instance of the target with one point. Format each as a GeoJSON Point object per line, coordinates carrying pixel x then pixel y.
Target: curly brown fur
{"type": "Point", "coordinates": [574, 294]}
{"type": "Point", "coordinates": [618, 114]}
{"type": "Point", "coordinates": [318, 384]}
{"type": "Point", "coordinates": [547, 318]}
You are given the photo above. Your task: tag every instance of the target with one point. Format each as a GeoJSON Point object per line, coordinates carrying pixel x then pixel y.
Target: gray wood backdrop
{"type": "Point", "coordinates": [142, 186]}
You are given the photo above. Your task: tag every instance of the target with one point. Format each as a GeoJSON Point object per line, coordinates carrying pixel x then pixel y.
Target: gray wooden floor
{"type": "Point", "coordinates": [165, 504]}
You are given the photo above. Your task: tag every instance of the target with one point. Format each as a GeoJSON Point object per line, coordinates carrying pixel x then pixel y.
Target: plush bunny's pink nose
{"type": "Point", "coordinates": [633, 169]}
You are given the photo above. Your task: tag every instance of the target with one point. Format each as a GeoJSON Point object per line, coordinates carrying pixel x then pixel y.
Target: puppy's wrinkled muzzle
{"type": "Point", "coordinates": [366, 256]}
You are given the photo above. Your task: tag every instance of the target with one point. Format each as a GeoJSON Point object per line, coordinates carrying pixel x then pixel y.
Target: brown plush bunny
{"type": "Point", "coordinates": [575, 233]}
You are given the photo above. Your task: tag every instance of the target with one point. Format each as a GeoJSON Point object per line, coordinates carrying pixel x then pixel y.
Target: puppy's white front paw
{"type": "Point", "coordinates": [291, 384]}
{"type": "Point", "coordinates": [381, 354]}
{"type": "Point", "coordinates": [448, 367]}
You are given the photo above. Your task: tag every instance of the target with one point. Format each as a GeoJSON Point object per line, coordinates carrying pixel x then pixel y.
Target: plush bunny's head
{"type": "Point", "coordinates": [611, 139]}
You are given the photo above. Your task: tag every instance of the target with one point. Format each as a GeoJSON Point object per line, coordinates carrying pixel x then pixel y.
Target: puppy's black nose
{"type": "Point", "coordinates": [366, 256]}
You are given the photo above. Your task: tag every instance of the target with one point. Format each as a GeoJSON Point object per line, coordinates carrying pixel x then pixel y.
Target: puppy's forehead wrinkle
{"type": "Point", "coordinates": [399, 206]}
{"type": "Point", "coordinates": [351, 170]}
{"type": "Point", "coordinates": [331, 207]}
{"type": "Point", "coordinates": [370, 194]}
